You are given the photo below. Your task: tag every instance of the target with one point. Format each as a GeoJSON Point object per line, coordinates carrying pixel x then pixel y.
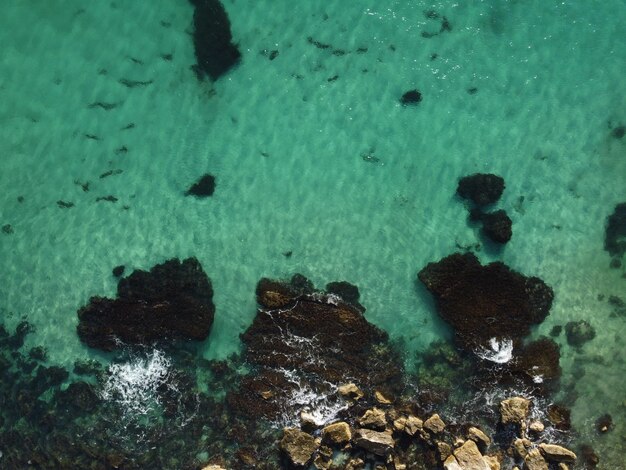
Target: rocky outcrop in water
{"type": "Point", "coordinates": [212, 39]}
{"type": "Point", "coordinates": [497, 225]}
{"type": "Point", "coordinates": [481, 188]}
{"type": "Point", "coordinates": [303, 344]}
{"type": "Point", "coordinates": [485, 302]}
{"type": "Point", "coordinates": [204, 187]}
{"type": "Point", "coordinates": [171, 301]}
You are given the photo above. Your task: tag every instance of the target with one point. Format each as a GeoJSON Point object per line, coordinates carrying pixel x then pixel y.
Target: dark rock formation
{"type": "Point", "coordinates": [618, 132]}
{"type": "Point", "coordinates": [484, 302]}
{"type": "Point", "coordinates": [411, 97]}
{"type": "Point", "coordinates": [481, 188]}
{"type": "Point", "coordinates": [348, 292]}
{"type": "Point", "coordinates": [171, 301]}
{"type": "Point", "coordinates": [204, 187]}
{"type": "Point", "coordinates": [560, 417]}
{"type": "Point", "coordinates": [212, 39]}
{"type": "Point", "coordinates": [604, 423]}
{"type": "Point", "coordinates": [497, 225]}
{"type": "Point", "coordinates": [303, 339]}
{"type": "Point", "coordinates": [615, 235]}
{"type": "Point", "coordinates": [118, 271]}
{"type": "Point", "coordinates": [579, 332]}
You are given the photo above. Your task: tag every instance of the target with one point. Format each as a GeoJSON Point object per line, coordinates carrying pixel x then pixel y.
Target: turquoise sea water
{"type": "Point", "coordinates": [314, 154]}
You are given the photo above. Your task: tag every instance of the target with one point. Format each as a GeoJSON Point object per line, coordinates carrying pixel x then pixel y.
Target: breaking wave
{"type": "Point", "coordinates": [499, 352]}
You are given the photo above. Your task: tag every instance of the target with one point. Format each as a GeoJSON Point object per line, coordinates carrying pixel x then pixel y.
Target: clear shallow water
{"type": "Point", "coordinates": [549, 82]}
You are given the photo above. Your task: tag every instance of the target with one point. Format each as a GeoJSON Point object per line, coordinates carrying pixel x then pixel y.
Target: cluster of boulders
{"type": "Point", "coordinates": [484, 189]}
{"type": "Point", "coordinates": [380, 436]}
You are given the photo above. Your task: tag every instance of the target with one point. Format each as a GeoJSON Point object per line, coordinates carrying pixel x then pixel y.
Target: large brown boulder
{"type": "Point", "coordinates": [514, 410]}
{"type": "Point", "coordinates": [298, 446]}
{"type": "Point", "coordinates": [173, 300]}
{"type": "Point", "coordinates": [379, 443]}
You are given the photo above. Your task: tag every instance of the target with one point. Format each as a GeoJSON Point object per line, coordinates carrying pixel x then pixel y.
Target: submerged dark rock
{"type": "Point", "coordinates": [171, 301]}
{"type": "Point", "coordinates": [579, 332]}
{"type": "Point", "coordinates": [615, 235]}
{"type": "Point", "coordinates": [348, 292]}
{"type": "Point", "coordinates": [481, 188]}
{"type": "Point", "coordinates": [411, 97]}
{"type": "Point", "coordinates": [485, 302]}
{"type": "Point", "coordinates": [118, 271]}
{"type": "Point", "coordinates": [204, 187]}
{"type": "Point", "coordinates": [497, 226]}
{"type": "Point", "coordinates": [212, 39]}
{"type": "Point", "coordinates": [306, 340]}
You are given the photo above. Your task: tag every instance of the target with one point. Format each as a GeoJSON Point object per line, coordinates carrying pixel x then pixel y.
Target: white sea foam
{"type": "Point", "coordinates": [500, 352]}
{"type": "Point", "coordinates": [133, 385]}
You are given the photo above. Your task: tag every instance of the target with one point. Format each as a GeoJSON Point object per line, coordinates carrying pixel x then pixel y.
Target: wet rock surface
{"type": "Point", "coordinates": [579, 332]}
{"type": "Point", "coordinates": [171, 301]}
{"type": "Point", "coordinates": [497, 226]}
{"type": "Point", "coordinates": [304, 340]}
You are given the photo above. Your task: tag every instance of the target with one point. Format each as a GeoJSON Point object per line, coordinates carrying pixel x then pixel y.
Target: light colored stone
{"type": "Point", "coordinates": [355, 464]}
{"type": "Point", "coordinates": [444, 449]}
{"type": "Point", "coordinates": [469, 457]}
{"type": "Point", "coordinates": [556, 453]}
{"type": "Point", "coordinates": [413, 424]}
{"type": "Point", "coordinates": [351, 391]}
{"type": "Point", "coordinates": [451, 464]}
{"type": "Point", "coordinates": [563, 466]}
{"type": "Point", "coordinates": [535, 461]}
{"type": "Point", "coordinates": [520, 448]}
{"type": "Point", "coordinates": [299, 446]}
{"type": "Point", "coordinates": [434, 424]}
{"type": "Point", "coordinates": [458, 441]}
{"type": "Point", "coordinates": [492, 461]}
{"type": "Point", "coordinates": [478, 436]}
{"type": "Point", "coordinates": [322, 462]}
{"type": "Point", "coordinates": [379, 443]}
{"type": "Point", "coordinates": [536, 426]}
{"type": "Point", "coordinates": [337, 433]}
{"type": "Point", "coordinates": [213, 467]}
{"type": "Point", "coordinates": [382, 399]}
{"type": "Point", "coordinates": [514, 410]}
{"type": "Point", "coordinates": [399, 424]}
{"type": "Point", "coordinates": [373, 419]}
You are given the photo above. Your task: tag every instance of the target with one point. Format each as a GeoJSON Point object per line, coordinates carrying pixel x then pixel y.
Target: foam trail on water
{"type": "Point", "coordinates": [133, 385]}
{"type": "Point", "coordinates": [499, 352]}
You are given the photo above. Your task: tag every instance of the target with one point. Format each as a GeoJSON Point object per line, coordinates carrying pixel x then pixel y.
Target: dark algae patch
{"type": "Point", "coordinates": [204, 187]}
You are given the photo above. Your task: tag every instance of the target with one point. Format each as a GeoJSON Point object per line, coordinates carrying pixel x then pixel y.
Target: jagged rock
{"type": "Point", "coordinates": [520, 446]}
{"type": "Point", "coordinates": [337, 433]}
{"type": "Point", "coordinates": [351, 391]}
{"type": "Point", "coordinates": [559, 416]}
{"type": "Point", "coordinates": [469, 457]}
{"type": "Point", "coordinates": [213, 467]}
{"type": "Point", "coordinates": [535, 461]}
{"type": "Point", "coordinates": [537, 365]}
{"type": "Point", "coordinates": [355, 464]}
{"type": "Point", "coordinates": [204, 187]}
{"type": "Point", "coordinates": [382, 399]}
{"type": "Point", "coordinates": [579, 332]}
{"type": "Point", "coordinates": [212, 39]}
{"type": "Point", "coordinates": [451, 463]}
{"type": "Point", "coordinates": [379, 443]}
{"type": "Point", "coordinates": [478, 437]}
{"type": "Point", "coordinates": [492, 461]}
{"type": "Point", "coordinates": [588, 456]}
{"type": "Point", "coordinates": [563, 466]}
{"type": "Point", "coordinates": [536, 426]}
{"type": "Point", "coordinates": [373, 419]}
{"type": "Point", "coordinates": [298, 446]}
{"type": "Point", "coordinates": [481, 188]}
{"type": "Point", "coordinates": [514, 410]}
{"type": "Point", "coordinates": [557, 453]}
{"type": "Point", "coordinates": [444, 450]}
{"type": "Point", "coordinates": [409, 424]}
{"type": "Point", "coordinates": [487, 302]}
{"type": "Point", "coordinates": [171, 301]}
{"type": "Point", "coordinates": [434, 424]}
